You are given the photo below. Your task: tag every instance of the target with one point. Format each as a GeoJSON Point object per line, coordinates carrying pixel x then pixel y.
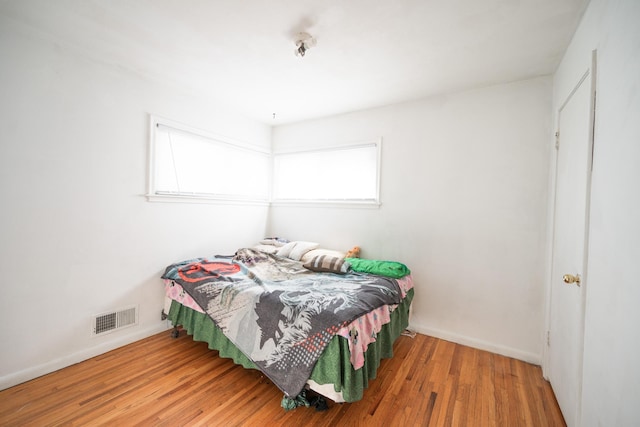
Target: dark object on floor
{"type": "Point", "coordinates": [320, 403]}
{"type": "Point", "coordinates": [317, 401]}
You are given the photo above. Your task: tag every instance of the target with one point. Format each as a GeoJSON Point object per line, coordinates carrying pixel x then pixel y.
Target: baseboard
{"type": "Point", "coordinates": [533, 358]}
{"type": "Point", "coordinates": [54, 365]}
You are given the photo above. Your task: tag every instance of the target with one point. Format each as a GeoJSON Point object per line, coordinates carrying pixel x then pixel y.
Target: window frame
{"type": "Point", "coordinates": [362, 203]}
{"type": "Point", "coordinates": [153, 194]}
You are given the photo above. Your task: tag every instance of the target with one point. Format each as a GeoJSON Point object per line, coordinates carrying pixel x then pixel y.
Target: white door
{"type": "Point", "coordinates": [570, 241]}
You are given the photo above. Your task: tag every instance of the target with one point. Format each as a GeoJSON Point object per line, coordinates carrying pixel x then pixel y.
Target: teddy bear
{"type": "Point", "coordinates": [353, 252]}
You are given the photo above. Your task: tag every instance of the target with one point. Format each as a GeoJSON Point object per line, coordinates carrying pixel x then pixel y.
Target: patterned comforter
{"type": "Point", "coordinates": [279, 314]}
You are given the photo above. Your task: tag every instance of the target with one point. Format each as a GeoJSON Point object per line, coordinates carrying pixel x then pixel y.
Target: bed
{"type": "Point", "coordinates": [307, 318]}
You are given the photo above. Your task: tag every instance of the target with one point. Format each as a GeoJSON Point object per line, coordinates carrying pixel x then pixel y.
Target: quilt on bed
{"type": "Point", "coordinates": [359, 333]}
{"type": "Point", "coordinates": [279, 314]}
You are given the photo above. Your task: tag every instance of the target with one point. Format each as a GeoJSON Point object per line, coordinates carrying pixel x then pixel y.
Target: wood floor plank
{"type": "Point", "coordinates": [162, 381]}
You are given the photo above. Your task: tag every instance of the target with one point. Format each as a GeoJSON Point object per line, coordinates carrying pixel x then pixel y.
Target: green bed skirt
{"type": "Point", "coordinates": [333, 367]}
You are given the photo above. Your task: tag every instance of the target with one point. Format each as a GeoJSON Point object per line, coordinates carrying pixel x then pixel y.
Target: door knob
{"type": "Point", "coordinates": [570, 279]}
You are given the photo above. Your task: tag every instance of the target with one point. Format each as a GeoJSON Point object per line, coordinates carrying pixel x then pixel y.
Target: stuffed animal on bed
{"type": "Point", "coordinates": [353, 252]}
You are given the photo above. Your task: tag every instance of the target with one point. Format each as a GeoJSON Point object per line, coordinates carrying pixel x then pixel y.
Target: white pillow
{"type": "Point", "coordinates": [273, 242]}
{"type": "Point", "coordinates": [295, 250]}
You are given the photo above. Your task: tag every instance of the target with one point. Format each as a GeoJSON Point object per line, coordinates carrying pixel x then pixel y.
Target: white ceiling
{"type": "Point", "coordinates": [369, 52]}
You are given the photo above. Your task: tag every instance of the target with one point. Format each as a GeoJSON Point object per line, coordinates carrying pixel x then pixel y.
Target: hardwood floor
{"type": "Point", "coordinates": [162, 381]}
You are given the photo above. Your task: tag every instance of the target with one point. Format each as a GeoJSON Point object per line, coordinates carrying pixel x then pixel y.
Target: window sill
{"type": "Point", "coordinates": [182, 198]}
{"type": "Point", "coordinates": [348, 204]}
{"type": "Point", "coordinates": [186, 198]}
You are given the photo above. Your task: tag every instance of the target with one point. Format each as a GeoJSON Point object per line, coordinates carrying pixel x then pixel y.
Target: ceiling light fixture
{"type": "Point", "coordinates": [304, 42]}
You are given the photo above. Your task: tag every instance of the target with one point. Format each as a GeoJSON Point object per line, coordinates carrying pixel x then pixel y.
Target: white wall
{"type": "Point", "coordinates": [464, 198]}
{"type": "Point", "coordinates": [611, 373]}
{"type": "Point", "coordinates": [77, 237]}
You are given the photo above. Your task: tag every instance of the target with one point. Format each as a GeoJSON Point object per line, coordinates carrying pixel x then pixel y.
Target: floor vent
{"type": "Point", "coordinates": [109, 322]}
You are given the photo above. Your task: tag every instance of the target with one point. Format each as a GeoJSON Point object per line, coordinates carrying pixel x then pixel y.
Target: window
{"type": "Point", "coordinates": [188, 163]}
{"type": "Point", "coordinates": [342, 174]}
